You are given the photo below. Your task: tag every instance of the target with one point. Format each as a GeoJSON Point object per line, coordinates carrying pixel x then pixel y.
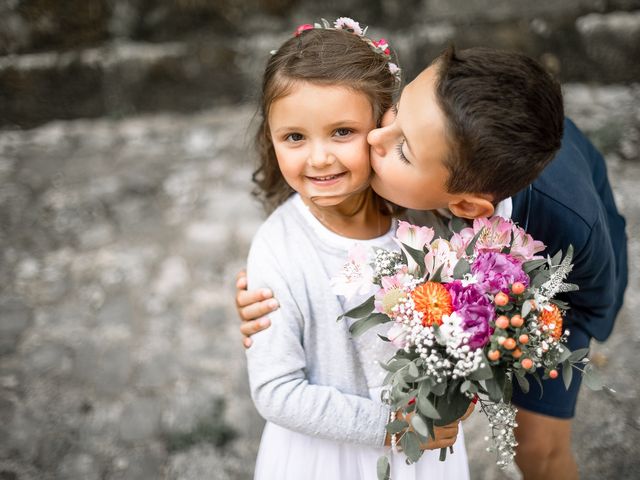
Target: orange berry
{"type": "Point", "coordinates": [502, 322]}
{"type": "Point", "coordinates": [494, 355]}
{"type": "Point", "coordinates": [509, 344]}
{"type": "Point", "coordinates": [523, 339]}
{"type": "Point", "coordinates": [517, 321]}
{"type": "Point", "coordinates": [517, 353]}
{"type": "Point", "coordinates": [527, 363]}
{"type": "Point", "coordinates": [518, 288]}
{"type": "Point", "coordinates": [501, 299]}
{"type": "Point", "coordinates": [553, 373]}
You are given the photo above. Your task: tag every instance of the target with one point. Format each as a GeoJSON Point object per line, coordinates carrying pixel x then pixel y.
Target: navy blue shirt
{"type": "Point", "coordinates": [571, 203]}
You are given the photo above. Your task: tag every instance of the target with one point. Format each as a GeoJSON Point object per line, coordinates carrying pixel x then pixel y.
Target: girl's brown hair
{"type": "Point", "coordinates": [320, 56]}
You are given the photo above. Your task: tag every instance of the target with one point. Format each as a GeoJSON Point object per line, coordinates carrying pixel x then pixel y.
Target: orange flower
{"type": "Point", "coordinates": [553, 316]}
{"type": "Point", "coordinates": [434, 301]}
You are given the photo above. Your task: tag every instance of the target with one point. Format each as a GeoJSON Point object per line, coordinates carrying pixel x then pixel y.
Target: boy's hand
{"type": "Point", "coordinates": [252, 307]}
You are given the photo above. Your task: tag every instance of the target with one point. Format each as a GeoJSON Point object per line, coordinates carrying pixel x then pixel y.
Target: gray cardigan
{"type": "Point", "coordinates": [304, 371]}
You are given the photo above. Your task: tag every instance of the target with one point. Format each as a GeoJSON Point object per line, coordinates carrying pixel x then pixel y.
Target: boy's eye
{"type": "Point", "coordinates": [343, 132]}
{"type": "Point", "coordinates": [294, 137]}
{"type": "Point", "coordinates": [401, 154]}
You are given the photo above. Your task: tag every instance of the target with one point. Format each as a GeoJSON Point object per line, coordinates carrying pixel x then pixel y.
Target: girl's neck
{"type": "Point", "coordinates": [359, 217]}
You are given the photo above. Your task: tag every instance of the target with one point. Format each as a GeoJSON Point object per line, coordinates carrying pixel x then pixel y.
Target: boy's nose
{"type": "Point", "coordinates": [379, 139]}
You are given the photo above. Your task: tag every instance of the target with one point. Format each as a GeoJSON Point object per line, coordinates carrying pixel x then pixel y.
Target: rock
{"type": "Point", "coordinates": [15, 318]}
{"type": "Point", "coordinates": [79, 466]}
{"type": "Point", "coordinates": [140, 420]}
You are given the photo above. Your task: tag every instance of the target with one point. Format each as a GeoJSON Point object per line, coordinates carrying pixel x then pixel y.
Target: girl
{"type": "Point", "coordinates": [318, 388]}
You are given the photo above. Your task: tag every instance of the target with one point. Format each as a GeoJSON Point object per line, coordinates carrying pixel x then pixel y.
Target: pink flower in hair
{"type": "Point", "coordinates": [348, 24]}
{"type": "Point", "coordinates": [302, 28]}
{"type": "Point", "coordinates": [383, 45]}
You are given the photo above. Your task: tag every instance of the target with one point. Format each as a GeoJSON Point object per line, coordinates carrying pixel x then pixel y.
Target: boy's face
{"type": "Point", "coordinates": [408, 151]}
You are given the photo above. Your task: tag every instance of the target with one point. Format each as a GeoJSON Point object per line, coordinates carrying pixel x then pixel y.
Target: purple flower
{"type": "Point", "coordinates": [497, 271]}
{"type": "Point", "coordinates": [476, 310]}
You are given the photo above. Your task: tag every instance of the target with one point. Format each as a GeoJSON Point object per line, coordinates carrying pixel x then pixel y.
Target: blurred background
{"type": "Point", "coordinates": [125, 212]}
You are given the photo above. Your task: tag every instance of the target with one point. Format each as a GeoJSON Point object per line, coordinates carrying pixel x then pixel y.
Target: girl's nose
{"type": "Point", "coordinates": [320, 157]}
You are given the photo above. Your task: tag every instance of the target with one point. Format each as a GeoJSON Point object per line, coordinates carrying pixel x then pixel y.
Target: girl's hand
{"type": "Point", "coordinates": [252, 307]}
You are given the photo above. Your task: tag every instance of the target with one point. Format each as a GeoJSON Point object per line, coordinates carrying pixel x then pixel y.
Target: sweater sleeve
{"type": "Point", "coordinates": [277, 368]}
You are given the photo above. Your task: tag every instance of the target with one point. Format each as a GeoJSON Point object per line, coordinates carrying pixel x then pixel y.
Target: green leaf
{"type": "Point", "coordinates": [461, 269]}
{"type": "Point", "coordinates": [522, 381]}
{"type": "Point", "coordinates": [426, 407]}
{"type": "Point", "coordinates": [494, 386]}
{"type": "Point", "coordinates": [383, 468]}
{"type": "Point", "coordinates": [567, 373]}
{"type": "Point", "coordinates": [565, 353]}
{"type": "Point", "coordinates": [411, 446]}
{"type": "Point", "coordinates": [472, 244]}
{"type": "Point", "coordinates": [526, 309]}
{"type": "Point", "coordinates": [362, 310]}
{"type": "Point", "coordinates": [395, 365]}
{"type": "Point", "coordinates": [413, 370]}
{"type": "Point", "coordinates": [592, 378]}
{"type": "Point", "coordinates": [419, 425]}
{"type": "Point", "coordinates": [360, 326]}
{"type": "Point", "coordinates": [451, 409]}
{"type": "Point", "coordinates": [533, 264]}
{"type": "Point", "coordinates": [578, 355]}
{"type": "Point", "coordinates": [458, 224]}
{"type": "Point", "coordinates": [383, 338]}
{"type": "Point", "coordinates": [417, 255]}
{"type": "Point", "coordinates": [438, 389]}
{"type": "Point", "coordinates": [466, 385]}
{"type": "Point", "coordinates": [437, 275]}
{"type": "Point", "coordinates": [481, 373]}
{"type": "Point", "coordinates": [396, 426]}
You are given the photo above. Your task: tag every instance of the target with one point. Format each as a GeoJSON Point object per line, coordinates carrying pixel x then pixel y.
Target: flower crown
{"type": "Point", "coordinates": [348, 24]}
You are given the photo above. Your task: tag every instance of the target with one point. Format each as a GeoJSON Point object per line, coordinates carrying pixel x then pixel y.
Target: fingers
{"type": "Point", "coordinates": [257, 309]}
{"type": "Point", "coordinates": [241, 280]}
{"type": "Point", "coordinates": [250, 327]}
{"type": "Point", "coordinates": [445, 437]}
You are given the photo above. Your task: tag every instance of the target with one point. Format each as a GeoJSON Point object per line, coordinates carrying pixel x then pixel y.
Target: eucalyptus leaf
{"type": "Point", "coordinates": [416, 255]}
{"type": "Point", "coordinates": [472, 243]}
{"type": "Point", "coordinates": [419, 425]}
{"type": "Point", "coordinates": [461, 269]}
{"type": "Point", "coordinates": [567, 373]}
{"type": "Point", "coordinates": [413, 370]}
{"type": "Point", "coordinates": [592, 378]}
{"type": "Point", "coordinates": [438, 389]}
{"type": "Point", "coordinates": [466, 385]}
{"type": "Point", "coordinates": [526, 309]}
{"type": "Point", "coordinates": [451, 409]}
{"type": "Point", "coordinates": [578, 355]}
{"type": "Point", "coordinates": [457, 224]}
{"type": "Point", "coordinates": [426, 407]}
{"type": "Point", "coordinates": [362, 310]}
{"type": "Point", "coordinates": [396, 426]}
{"type": "Point", "coordinates": [360, 326]}
{"type": "Point", "coordinates": [481, 373]}
{"type": "Point", "coordinates": [565, 353]}
{"type": "Point", "coordinates": [411, 446]}
{"type": "Point", "coordinates": [522, 382]}
{"type": "Point", "coordinates": [533, 264]}
{"type": "Point", "coordinates": [383, 338]}
{"type": "Point", "coordinates": [383, 468]}
{"type": "Point", "coordinates": [437, 275]}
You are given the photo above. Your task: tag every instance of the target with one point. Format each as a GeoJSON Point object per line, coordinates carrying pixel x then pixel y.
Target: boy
{"type": "Point", "coordinates": [477, 133]}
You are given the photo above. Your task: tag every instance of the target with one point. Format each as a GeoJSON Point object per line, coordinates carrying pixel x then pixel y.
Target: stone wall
{"type": "Point", "coordinates": [71, 59]}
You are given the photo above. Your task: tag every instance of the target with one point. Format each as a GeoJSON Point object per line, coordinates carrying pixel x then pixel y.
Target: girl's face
{"type": "Point", "coordinates": [319, 134]}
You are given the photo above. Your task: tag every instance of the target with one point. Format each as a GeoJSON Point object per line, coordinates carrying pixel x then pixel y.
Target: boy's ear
{"type": "Point", "coordinates": [471, 206]}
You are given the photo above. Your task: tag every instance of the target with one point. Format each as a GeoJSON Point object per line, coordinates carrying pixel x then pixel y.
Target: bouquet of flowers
{"type": "Point", "coordinates": [468, 314]}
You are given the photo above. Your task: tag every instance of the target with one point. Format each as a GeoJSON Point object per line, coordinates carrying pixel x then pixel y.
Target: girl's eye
{"type": "Point", "coordinates": [294, 137]}
{"type": "Point", "coordinates": [401, 154]}
{"type": "Point", "coordinates": [343, 132]}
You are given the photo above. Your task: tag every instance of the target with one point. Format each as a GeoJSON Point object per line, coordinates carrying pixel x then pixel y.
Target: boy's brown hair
{"type": "Point", "coordinates": [504, 118]}
{"type": "Point", "coordinates": [324, 57]}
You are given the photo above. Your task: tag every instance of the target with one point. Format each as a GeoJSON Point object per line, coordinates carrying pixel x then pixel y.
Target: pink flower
{"type": "Point", "coordinates": [356, 276]}
{"type": "Point", "coordinates": [302, 28]}
{"type": "Point", "coordinates": [383, 45]}
{"type": "Point", "coordinates": [348, 24]}
{"type": "Point", "coordinates": [393, 68]}
{"type": "Point", "coordinates": [413, 236]}
{"type": "Point", "coordinates": [441, 254]}
{"type": "Point", "coordinates": [398, 335]}
{"type": "Point", "coordinates": [496, 272]}
{"type": "Point", "coordinates": [524, 246]}
{"type": "Point", "coordinates": [392, 291]}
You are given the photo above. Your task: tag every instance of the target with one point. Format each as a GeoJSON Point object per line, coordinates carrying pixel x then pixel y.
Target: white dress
{"type": "Point", "coordinates": [289, 455]}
